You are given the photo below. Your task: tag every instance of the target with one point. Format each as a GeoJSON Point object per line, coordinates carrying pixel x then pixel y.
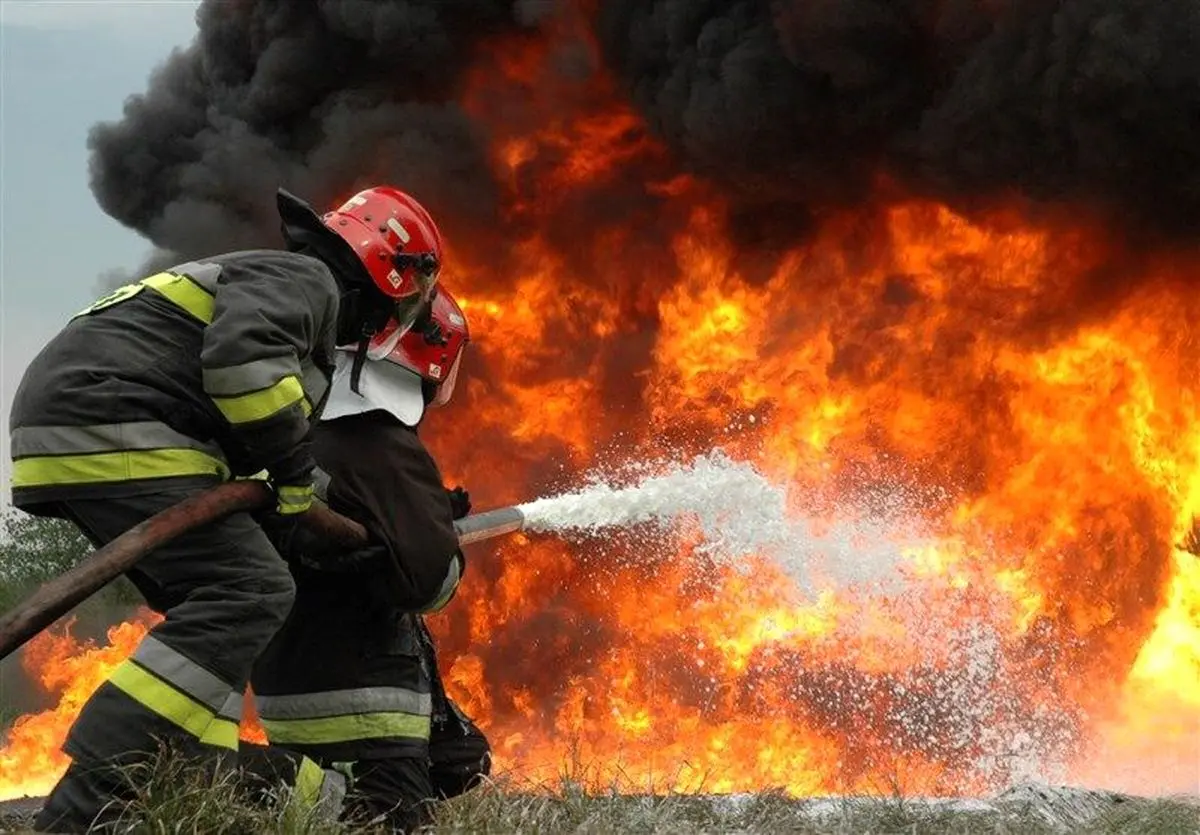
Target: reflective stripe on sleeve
{"type": "Point", "coordinates": [293, 500]}
{"type": "Point", "coordinates": [248, 377]}
{"type": "Point", "coordinates": [259, 405]}
{"type": "Point", "coordinates": [315, 382]}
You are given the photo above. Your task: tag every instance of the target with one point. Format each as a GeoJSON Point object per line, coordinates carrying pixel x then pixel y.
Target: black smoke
{"type": "Point", "coordinates": [792, 107]}
{"type": "Point", "coordinates": [796, 104]}
{"type": "Point", "coordinates": [321, 97]}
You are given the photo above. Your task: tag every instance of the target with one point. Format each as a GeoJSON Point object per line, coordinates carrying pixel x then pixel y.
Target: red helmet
{"type": "Point", "coordinates": [398, 243]}
{"type": "Point", "coordinates": [433, 347]}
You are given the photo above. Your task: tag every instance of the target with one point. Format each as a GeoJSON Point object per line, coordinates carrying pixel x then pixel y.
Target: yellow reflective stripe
{"type": "Point", "coordinates": [257, 405]}
{"type": "Point", "coordinates": [332, 729]}
{"type": "Point", "coordinates": [161, 698]}
{"type": "Point", "coordinates": [115, 297]}
{"type": "Point", "coordinates": [185, 293]}
{"type": "Point", "coordinates": [31, 441]}
{"type": "Point", "coordinates": [222, 733]}
{"type": "Point", "coordinates": [179, 289]}
{"type": "Point", "coordinates": [294, 499]}
{"type": "Point", "coordinates": [124, 465]}
{"type": "Point", "coordinates": [309, 778]}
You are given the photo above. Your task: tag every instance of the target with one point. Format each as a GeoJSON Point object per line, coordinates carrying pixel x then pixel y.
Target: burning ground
{"type": "Point", "coordinates": [930, 263]}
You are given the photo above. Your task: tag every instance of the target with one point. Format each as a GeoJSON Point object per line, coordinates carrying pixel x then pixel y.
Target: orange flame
{"type": "Point", "coordinates": [965, 376]}
{"type": "Point", "coordinates": [70, 671]}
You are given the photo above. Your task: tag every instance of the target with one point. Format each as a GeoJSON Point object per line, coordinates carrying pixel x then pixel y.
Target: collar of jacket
{"type": "Point", "coordinates": [382, 386]}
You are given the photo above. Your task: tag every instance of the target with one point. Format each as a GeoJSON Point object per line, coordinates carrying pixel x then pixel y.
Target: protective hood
{"type": "Point", "coordinates": [384, 386]}
{"type": "Point", "coordinates": [360, 303]}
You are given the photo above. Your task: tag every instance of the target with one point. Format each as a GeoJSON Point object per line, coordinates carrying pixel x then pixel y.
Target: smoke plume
{"type": "Point", "coordinates": [318, 97]}
{"type": "Point", "coordinates": [791, 106]}
{"type": "Point", "coordinates": [804, 102]}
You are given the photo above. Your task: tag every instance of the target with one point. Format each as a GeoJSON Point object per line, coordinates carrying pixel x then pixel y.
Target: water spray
{"type": "Point", "coordinates": [734, 508]}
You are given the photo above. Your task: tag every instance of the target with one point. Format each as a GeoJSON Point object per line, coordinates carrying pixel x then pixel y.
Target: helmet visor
{"type": "Point", "coordinates": [445, 389]}
{"type": "Point", "coordinates": [426, 272]}
{"type": "Point", "coordinates": [408, 309]}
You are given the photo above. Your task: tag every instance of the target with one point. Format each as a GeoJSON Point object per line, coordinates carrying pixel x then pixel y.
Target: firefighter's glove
{"type": "Point", "coordinates": [292, 500]}
{"type": "Point", "coordinates": [460, 502]}
{"type": "Point", "coordinates": [292, 481]}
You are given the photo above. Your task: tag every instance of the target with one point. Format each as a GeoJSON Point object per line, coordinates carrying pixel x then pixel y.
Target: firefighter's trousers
{"type": "Point", "coordinates": [397, 790]}
{"type": "Point", "coordinates": [224, 591]}
{"type": "Point", "coordinates": [355, 686]}
{"type": "Point", "coordinates": [401, 790]}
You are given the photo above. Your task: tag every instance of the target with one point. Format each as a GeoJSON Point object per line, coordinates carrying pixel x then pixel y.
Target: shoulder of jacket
{"type": "Point", "coordinates": [275, 257]}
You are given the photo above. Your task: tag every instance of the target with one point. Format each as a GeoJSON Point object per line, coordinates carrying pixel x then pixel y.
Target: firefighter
{"type": "Point", "coordinates": [209, 370]}
{"type": "Point", "coordinates": [352, 676]}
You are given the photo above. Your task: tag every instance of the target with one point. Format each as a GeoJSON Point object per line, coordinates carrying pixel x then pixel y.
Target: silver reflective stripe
{"type": "Point", "coordinates": [251, 376]}
{"type": "Point", "coordinates": [343, 703]}
{"type": "Point", "coordinates": [182, 673]}
{"type": "Point", "coordinates": [29, 441]}
{"type": "Point", "coordinates": [206, 275]}
{"type": "Point", "coordinates": [333, 795]}
{"type": "Point", "coordinates": [232, 709]}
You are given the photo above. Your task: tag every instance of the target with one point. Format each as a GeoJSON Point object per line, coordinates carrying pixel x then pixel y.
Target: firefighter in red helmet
{"type": "Point", "coordinates": [352, 677]}
{"type": "Point", "coordinates": [209, 370]}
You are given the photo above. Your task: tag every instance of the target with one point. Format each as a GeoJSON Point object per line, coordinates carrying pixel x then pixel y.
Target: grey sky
{"type": "Point", "coordinates": [64, 66]}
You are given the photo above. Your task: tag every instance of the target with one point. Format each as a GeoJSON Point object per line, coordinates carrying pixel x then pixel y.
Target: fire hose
{"type": "Point", "coordinates": [56, 597]}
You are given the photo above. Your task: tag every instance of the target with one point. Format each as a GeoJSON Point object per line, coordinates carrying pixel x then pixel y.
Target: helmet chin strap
{"type": "Point", "coordinates": [350, 311]}
{"type": "Point", "coordinates": [360, 359]}
{"type": "Point", "coordinates": [372, 315]}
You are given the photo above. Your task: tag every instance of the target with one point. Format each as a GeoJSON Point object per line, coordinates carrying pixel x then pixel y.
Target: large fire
{"type": "Point", "coordinates": [967, 375]}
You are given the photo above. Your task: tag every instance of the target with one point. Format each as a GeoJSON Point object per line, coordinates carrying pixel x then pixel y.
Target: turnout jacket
{"type": "Point", "coordinates": [350, 675]}
{"type": "Point", "coordinates": [209, 369]}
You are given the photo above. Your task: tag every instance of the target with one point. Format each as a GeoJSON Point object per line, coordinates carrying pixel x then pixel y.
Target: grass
{"type": "Point", "coordinates": [173, 796]}
{"type": "Point", "coordinates": [500, 809]}
{"type": "Point", "coordinates": [180, 799]}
